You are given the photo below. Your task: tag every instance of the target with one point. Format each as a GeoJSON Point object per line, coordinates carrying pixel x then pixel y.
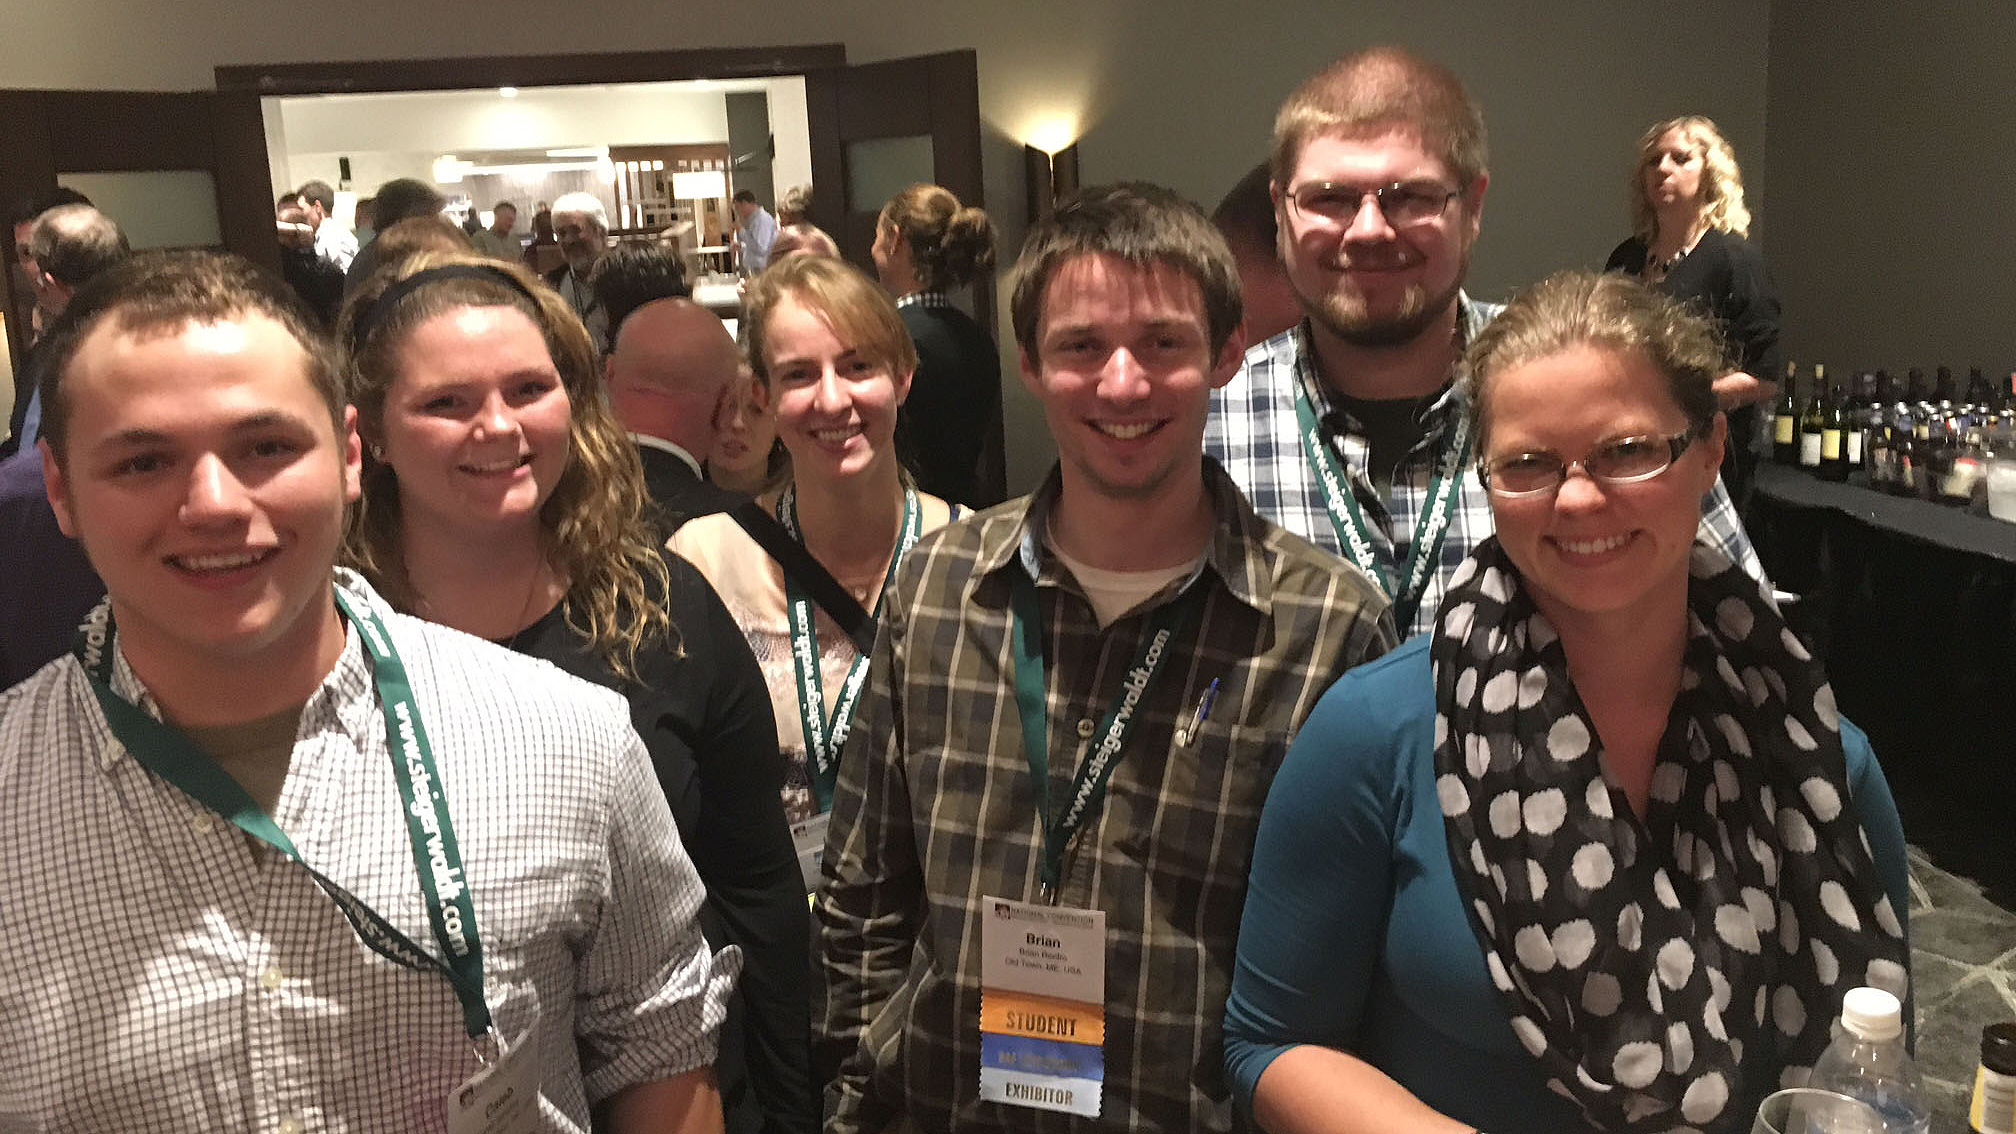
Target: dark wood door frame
{"type": "Point", "coordinates": [53, 132]}
{"type": "Point", "coordinates": [528, 70]}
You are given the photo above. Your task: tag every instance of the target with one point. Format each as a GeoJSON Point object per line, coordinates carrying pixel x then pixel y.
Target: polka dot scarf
{"type": "Point", "coordinates": [1639, 961]}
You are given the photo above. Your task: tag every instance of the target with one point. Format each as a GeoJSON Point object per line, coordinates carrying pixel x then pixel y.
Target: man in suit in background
{"type": "Point", "coordinates": [672, 367]}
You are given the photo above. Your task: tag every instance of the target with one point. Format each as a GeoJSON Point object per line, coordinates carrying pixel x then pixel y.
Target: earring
{"type": "Point", "coordinates": [377, 452]}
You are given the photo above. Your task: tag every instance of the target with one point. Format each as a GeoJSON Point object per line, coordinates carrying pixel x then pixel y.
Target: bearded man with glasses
{"type": "Point", "coordinates": [1348, 429]}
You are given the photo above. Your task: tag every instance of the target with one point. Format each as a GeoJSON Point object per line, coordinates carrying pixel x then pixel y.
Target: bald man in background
{"type": "Point", "coordinates": [672, 367]}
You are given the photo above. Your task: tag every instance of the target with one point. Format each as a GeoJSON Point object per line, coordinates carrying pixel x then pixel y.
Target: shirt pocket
{"type": "Point", "coordinates": [1191, 828]}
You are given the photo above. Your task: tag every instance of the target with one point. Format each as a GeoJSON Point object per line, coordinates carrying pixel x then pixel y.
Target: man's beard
{"type": "Point", "coordinates": [1347, 318]}
{"type": "Point", "coordinates": [579, 260]}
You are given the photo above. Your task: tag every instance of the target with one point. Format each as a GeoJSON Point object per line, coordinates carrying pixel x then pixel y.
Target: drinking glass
{"type": "Point", "coordinates": [1809, 1110]}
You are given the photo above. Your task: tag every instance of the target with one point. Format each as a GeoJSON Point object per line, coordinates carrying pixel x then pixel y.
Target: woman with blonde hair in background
{"type": "Point", "coordinates": [1689, 239]}
{"type": "Point", "coordinates": [501, 498]}
{"type": "Point", "coordinates": [803, 568]}
{"type": "Point", "coordinates": [926, 246]}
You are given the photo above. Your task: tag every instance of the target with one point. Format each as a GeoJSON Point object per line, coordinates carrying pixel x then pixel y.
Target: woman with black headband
{"type": "Point", "coordinates": [501, 498]}
{"type": "Point", "coordinates": [1597, 852]}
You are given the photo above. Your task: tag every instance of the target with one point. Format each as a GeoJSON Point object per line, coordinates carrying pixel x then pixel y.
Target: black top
{"type": "Point", "coordinates": [1724, 276]}
{"type": "Point", "coordinates": [318, 282]}
{"type": "Point", "coordinates": [679, 493]}
{"type": "Point", "coordinates": [46, 584]}
{"type": "Point", "coordinates": [941, 430]}
{"type": "Point", "coordinates": [704, 714]}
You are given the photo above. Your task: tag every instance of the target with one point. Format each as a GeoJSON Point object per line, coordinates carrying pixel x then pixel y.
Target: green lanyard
{"type": "Point", "coordinates": [437, 859]}
{"type": "Point", "coordinates": [1350, 524]}
{"type": "Point", "coordinates": [1088, 787]}
{"type": "Point", "coordinates": [825, 736]}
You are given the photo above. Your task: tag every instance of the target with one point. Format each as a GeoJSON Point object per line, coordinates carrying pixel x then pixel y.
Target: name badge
{"type": "Point", "coordinates": [502, 1098]}
{"type": "Point", "coordinates": [809, 836]}
{"type": "Point", "coordinates": [1042, 1006]}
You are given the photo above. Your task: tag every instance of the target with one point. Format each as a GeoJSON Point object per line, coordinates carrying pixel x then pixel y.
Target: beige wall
{"type": "Point", "coordinates": [1891, 226]}
{"type": "Point", "coordinates": [1181, 91]}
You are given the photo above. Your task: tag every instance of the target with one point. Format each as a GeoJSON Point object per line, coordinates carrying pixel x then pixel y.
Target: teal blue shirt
{"type": "Point", "coordinates": [1354, 936]}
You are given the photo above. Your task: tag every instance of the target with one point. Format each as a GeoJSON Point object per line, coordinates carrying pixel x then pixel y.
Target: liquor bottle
{"type": "Point", "coordinates": [1914, 387]}
{"type": "Point", "coordinates": [1966, 465]}
{"type": "Point", "coordinates": [1785, 421]}
{"type": "Point", "coordinates": [1903, 451]}
{"type": "Point", "coordinates": [1942, 387]}
{"type": "Point", "coordinates": [1834, 435]}
{"type": "Point", "coordinates": [1993, 1108]}
{"type": "Point", "coordinates": [1878, 448]}
{"type": "Point", "coordinates": [1812, 421]}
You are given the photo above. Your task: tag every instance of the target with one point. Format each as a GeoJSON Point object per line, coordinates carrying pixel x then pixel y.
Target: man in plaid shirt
{"type": "Point", "coordinates": [1135, 598]}
{"type": "Point", "coordinates": [1348, 428]}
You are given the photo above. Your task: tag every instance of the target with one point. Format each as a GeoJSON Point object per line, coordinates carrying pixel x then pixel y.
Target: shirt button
{"type": "Point", "coordinates": [290, 1126]}
{"type": "Point", "coordinates": [1085, 728]}
{"type": "Point", "coordinates": [270, 980]}
{"type": "Point", "coordinates": [202, 823]}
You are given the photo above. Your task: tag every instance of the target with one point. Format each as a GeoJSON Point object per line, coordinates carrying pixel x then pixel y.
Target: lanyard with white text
{"type": "Point", "coordinates": [1349, 522]}
{"type": "Point", "coordinates": [825, 736]}
{"type": "Point", "coordinates": [1088, 787]}
{"type": "Point", "coordinates": [437, 858]}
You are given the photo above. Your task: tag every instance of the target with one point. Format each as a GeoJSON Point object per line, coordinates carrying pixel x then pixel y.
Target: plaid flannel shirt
{"type": "Point", "coordinates": [934, 811]}
{"type": "Point", "coordinates": [1253, 432]}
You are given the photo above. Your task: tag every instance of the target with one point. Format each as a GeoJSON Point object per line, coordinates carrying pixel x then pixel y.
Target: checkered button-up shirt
{"type": "Point", "coordinates": [935, 811]}
{"type": "Point", "coordinates": [1254, 433]}
{"type": "Point", "coordinates": [159, 973]}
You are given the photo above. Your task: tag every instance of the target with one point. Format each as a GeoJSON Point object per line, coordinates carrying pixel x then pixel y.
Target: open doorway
{"type": "Point", "coordinates": [661, 156]}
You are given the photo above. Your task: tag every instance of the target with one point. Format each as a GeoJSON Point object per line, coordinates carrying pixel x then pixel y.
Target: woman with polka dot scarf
{"type": "Point", "coordinates": [1597, 852]}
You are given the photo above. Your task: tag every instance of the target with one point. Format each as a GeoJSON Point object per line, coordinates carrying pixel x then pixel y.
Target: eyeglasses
{"type": "Point", "coordinates": [1627, 460]}
{"type": "Point", "coordinates": [1402, 203]}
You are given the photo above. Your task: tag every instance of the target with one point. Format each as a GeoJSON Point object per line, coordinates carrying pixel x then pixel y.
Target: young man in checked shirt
{"type": "Point", "coordinates": [1346, 429]}
{"type": "Point", "coordinates": [1076, 703]}
{"type": "Point", "coordinates": [515, 946]}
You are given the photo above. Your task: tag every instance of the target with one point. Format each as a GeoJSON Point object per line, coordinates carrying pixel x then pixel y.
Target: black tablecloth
{"type": "Point", "coordinates": [1958, 529]}
{"type": "Point", "coordinates": [1913, 607]}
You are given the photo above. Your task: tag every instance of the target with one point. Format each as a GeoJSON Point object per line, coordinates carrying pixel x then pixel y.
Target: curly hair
{"type": "Point", "coordinates": [593, 526]}
{"type": "Point", "coordinates": [1721, 181]}
{"type": "Point", "coordinates": [1603, 309]}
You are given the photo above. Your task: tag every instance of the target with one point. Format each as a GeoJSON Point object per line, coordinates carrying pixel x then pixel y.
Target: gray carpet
{"type": "Point", "coordinates": [1963, 961]}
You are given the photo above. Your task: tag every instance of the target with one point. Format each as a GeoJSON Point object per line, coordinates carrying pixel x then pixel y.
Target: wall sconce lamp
{"type": "Point", "coordinates": [1051, 176]}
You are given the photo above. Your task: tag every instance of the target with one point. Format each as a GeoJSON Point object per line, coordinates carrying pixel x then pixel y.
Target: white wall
{"type": "Point", "coordinates": [538, 118]}
{"type": "Point", "coordinates": [368, 169]}
{"type": "Point", "coordinates": [1181, 91]}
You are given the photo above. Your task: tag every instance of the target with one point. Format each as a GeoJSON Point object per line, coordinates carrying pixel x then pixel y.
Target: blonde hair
{"type": "Point", "coordinates": [1721, 181]}
{"type": "Point", "coordinates": [1604, 309]}
{"type": "Point", "coordinates": [593, 527]}
{"type": "Point", "coordinates": [1383, 88]}
{"type": "Point", "coordinates": [861, 313]}
{"type": "Point", "coordinates": [950, 243]}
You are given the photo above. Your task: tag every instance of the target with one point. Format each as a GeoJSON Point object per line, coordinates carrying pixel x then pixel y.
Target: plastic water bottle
{"type": "Point", "coordinates": [1867, 1061]}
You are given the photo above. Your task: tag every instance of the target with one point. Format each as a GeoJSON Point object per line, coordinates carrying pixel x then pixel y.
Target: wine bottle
{"type": "Point", "coordinates": [1785, 422]}
{"type": "Point", "coordinates": [1812, 422]}
{"type": "Point", "coordinates": [1861, 417]}
{"type": "Point", "coordinates": [1834, 435]}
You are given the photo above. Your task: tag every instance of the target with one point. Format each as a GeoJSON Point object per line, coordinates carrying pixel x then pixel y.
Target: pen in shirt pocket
{"type": "Point", "coordinates": [1187, 735]}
